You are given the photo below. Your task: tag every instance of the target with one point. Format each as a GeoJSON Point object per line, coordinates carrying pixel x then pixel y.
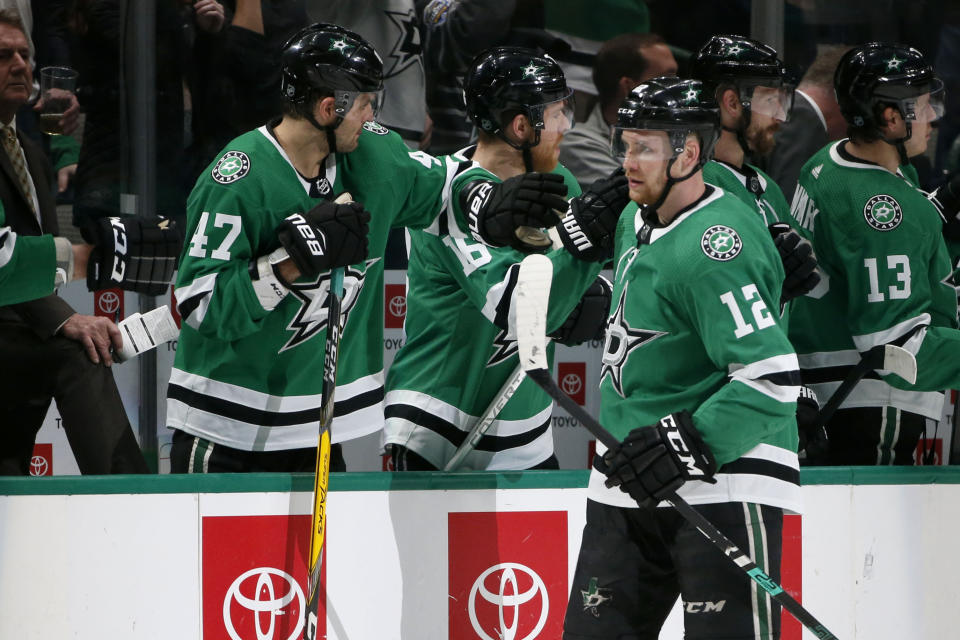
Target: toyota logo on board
{"type": "Point", "coordinates": [508, 598]}
{"type": "Point", "coordinates": [268, 597]}
{"type": "Point", "coordinates": [38, 466]}
{"type": "Point", "coordinates": [108, 302]}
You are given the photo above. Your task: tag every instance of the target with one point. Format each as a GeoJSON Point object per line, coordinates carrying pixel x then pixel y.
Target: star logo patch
{"type": "Point", "coordinates": [721, 243]}
{"type": "Point", "coordinates": [406, 48]}
{"type": "Point", "coordinates": [594, 596]}
{"type": "Point", "coordinates": [622, 340]}
{"type": "Point", "coordinates": [733, 51]}
{"type": "Point", "coordinates": [692, 96]}
{"type": "Point", "coordinates": [882, 212]}
{"type": "Point", "coordinates": [340, 45]}
{"type": "Point", "coordinates": [231, 167]}
{"type": "Point", "coordinates": [893, 64]}
{"type": "Point", "coordinates": [531, 70]}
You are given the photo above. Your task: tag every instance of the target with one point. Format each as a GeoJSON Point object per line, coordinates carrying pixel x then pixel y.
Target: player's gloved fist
{"type": "Point", "coordinates": [588, 320]}
{"type": "Point", "coordinates": [813, 439]}
{"type": "Point", "coordinates": [588, 229]}
{"type": "Point", "coordinates": [799, 263]}
{"type": "Point", "coordinates": [134, 253]}
{"type": "Point", "coordinates": [328, 236]}
{"type": "Point", "coordinates": [947, 200]}
{"type": "Point", "coordinates": [511, 213]}
{"type": "Point", "coordinates": [654, 461]}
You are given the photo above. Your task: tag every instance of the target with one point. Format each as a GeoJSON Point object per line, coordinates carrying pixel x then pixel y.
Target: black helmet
{"type": "Point", "coordinates": [326, 56]}
{"type": "Point", "coordinates": [674, 105]}
{"type": "Point", "coordinates": [738, 61]}
{"type": "Point", "coordinates": [876, 74]}
{"type": "Point", "coordinates": [504, 81]}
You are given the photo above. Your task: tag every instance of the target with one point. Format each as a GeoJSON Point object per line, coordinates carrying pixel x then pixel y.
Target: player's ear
{"type": "Point", "coordinates": [730, 103]}
{"type": "Point", "coordinates": [690, 154]}
{"type": "Point", "coordinates": [890, 117]}
{"type": "Point", "coordinates": [519, 128]}
{"type": "Point", "coordinates": [325, 110]}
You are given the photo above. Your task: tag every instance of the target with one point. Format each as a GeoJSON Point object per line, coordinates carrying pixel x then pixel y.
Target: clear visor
{"type": "Point", "coordinates": [637, 145]}
{"type": "Point", "coordinates": [348, 100]}
{"type": "Point", "coordinates": [927, 107]}
{"type": "Point", "coordinates": [558, 115]}
{"type": "Point", "coordinates": [774, 102]}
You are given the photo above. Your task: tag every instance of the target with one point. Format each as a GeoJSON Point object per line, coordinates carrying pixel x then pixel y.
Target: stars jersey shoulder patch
{"type": "Point", "coordinates": [882, 212]}
{"type": "Point", "coordinates": [621, 341]}
{"type": "Point", "coordinates": [721, 243]}
{"type": "Point", "coordinates": [232, 166]}
{"type": "Point", "coordinates": [375, 127]}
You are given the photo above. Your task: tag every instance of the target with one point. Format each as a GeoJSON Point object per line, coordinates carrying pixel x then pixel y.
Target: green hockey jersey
{"type": "Point", "coordinates": [247, 373]}
{"type": "Point", "coordinates": [458, 352]}
{"type": "Point", "coordinates": [886, 280]}
{"type": "Point", "coordinates": [27, 265]}
{"type": "Point", "coordinates": [751, 185]}
{"type": "Point", "coordinates": [694, 326]}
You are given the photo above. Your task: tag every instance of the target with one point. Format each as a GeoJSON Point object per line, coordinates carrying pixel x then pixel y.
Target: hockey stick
{"type": "Point", "coordinates": [884, 356]}
{"type": "Point", "coordinates": [321, 475]}
{"type": "Point", "coordinates": [482, 425]}
{"type": "Point", "coordinates": [533, 292]}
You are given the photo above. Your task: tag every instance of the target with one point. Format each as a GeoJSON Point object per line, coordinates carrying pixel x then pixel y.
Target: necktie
{"type": "Point", "coordinates": [12, 146]}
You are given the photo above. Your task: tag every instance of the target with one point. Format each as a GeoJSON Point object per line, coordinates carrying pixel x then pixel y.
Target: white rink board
{"type": "Point", "coordinates": [879, 561]}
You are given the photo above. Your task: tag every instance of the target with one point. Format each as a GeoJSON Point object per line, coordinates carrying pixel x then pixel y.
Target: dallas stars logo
{"type": "Point", "coordinates": [502, 349]}
{"type": "Point", "coordinates": [621, 341]}
{"type": "Point", "coordinates": [311, 317]}
{"type": "Point", "coordinates": [691, 96]}
{"type": "Point", "coordinates": [531, 70]}
{"type": "Point", "coordinates": [406, 47]}
{"type": "Point", "coordinates": [733, 51]}
{"type": "Point", "coordinates": [721, 243]}
{"type": "Point", "coordinates": [594, 596]}
{"type": "Point", "coordinates": [340, 45]}
{"type": "Point", "coordinates": [893, 64]}
{"type": "Point", "coordinates": [882, 212]}
{"type": "Point", "coordinates": [231, 167]}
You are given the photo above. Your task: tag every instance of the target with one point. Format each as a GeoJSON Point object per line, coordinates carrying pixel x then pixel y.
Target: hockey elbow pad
{"type": "Point", "coordinates": [511, 213]}
{"type": "Point", "coordinates": [589, 227]}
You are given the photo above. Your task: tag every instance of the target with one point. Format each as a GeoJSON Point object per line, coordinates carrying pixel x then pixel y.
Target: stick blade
{"type": "Point", "coordinates": [901, 362]}
{"type": "Point", "coordinates": [532, 298]}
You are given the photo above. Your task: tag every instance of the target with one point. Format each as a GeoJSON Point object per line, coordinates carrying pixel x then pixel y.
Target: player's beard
{"type": "Point", "coordinates": [545, 155]}
{"type": "Point", "coordinates": [760, 138]}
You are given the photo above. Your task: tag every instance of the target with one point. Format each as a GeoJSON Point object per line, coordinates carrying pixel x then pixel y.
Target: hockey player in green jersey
{"type": "Point", "coordinates": [886, 268]}
{"type": "Point", "coordinates": [28, 264]}
{"type": "Point", "coordinates": [459, 350]}
{"type": "Point", "coordinates": [695, 349]}
{"type": "Point", "coordinates": [747, 79]}
{"type": "Point", "coordinates": [244, 393]}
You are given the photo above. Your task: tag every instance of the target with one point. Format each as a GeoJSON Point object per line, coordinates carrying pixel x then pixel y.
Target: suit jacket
{"type": "Point", "coordinates": [44, 315]}
{"type": "Point", "coordinates": [801, 136]}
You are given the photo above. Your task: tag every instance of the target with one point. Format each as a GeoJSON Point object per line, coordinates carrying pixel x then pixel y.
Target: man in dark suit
{"type": "Point", "coordinates": [47, 350]}
{"type": "Point", "coordinates": [815, 120]}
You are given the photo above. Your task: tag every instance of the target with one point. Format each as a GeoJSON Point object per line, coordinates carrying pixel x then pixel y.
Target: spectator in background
{"type": "Point", "coordinates": [621, 64]}
{"type": "Point", "coordinates": [393, 28]}
{"type": "Point", "coordinates": [814, 120]}
{"type": "Point", "coordinates": [48, 350]}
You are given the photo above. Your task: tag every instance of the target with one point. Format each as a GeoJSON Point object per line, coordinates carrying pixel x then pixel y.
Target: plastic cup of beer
{"type": "Point", "coordinates": [57, 87]}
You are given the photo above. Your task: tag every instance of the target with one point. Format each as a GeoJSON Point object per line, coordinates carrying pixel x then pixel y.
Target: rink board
{"type": "Point", "coordinates": [422, 557]}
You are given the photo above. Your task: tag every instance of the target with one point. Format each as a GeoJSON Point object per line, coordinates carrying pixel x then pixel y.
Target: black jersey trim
{"type": "Point", "coordinates": [502, 315]}
{"type": "Point", "coordinates": [782, 378]}
{"type": "Point", "coordinates": [823, 375]}
{"type": "Point", "coordinates": [236, 411]}
{"type": "Point", "coordinates": [758, 467]}
{"type": "Point", "coordinates": [190, 305]}
{"type": "Point", "coordinates": [455, 436]}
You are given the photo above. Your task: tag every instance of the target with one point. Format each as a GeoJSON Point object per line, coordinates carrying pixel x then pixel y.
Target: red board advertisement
{"type": "Point", "coordinates": [41, 463]}
{"type": "Point", "coordinates": [572, 378]}
{"type": "Point", "coordinates": [108, 303]}
{"type": "Point", "coordinates": [791, 574]}
{"type": "Point", "coordinates": [507, 575]}
{"type": "Point", "coordinates": [929, 451]}
{"type": "Point", "coordinates": [394, 305]}
{"type": "Point", "coordinates": [173, 308]}
{"type": "Point", "coordinates": [254, 578]}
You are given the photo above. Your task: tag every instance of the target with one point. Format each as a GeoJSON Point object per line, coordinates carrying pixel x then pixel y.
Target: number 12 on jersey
{"type": "Point", "coordinates": [761, 315]}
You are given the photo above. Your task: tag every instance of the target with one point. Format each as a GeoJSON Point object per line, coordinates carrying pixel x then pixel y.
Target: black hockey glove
{"type": "Point", "coordinates": [947, 200]}
{"type": "Point", "coordinates": [511, 213]}
{"type": "Point", "coordinates": [588, 229]}
{"type": "Point", "coordinates": [133, 253]}
{"type": "Point", "coordinates": [588, 320]}
{"type": "Point", "coordinates": [799, 263]}
{"type": "Point", "coordinates": [813, 440]}
{"type": "Point", "coordinates": [329, 235]}
{"type": "Point", "coordinates": [654, 461]}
